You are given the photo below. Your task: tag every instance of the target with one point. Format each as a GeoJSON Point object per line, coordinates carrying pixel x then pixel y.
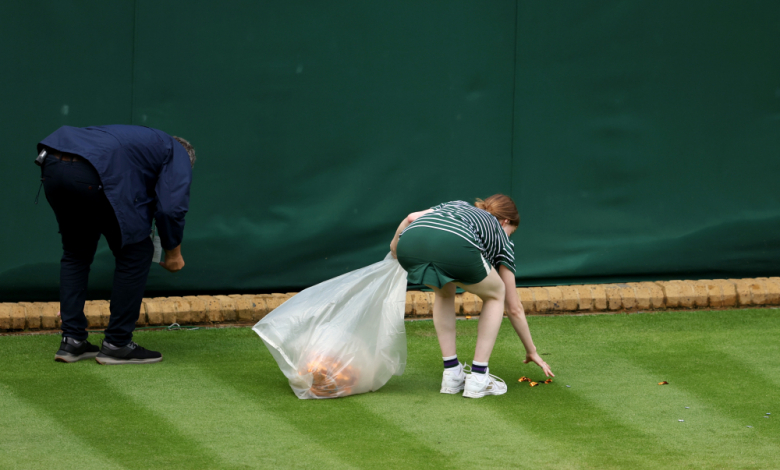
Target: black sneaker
{"type": "Point", "coordinates": [129, 354]}
{"type": "Point", "coordinates": [73, 350]}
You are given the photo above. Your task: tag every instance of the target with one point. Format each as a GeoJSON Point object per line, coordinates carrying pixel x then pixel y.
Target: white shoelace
{"type": "Point", "coordinates": [493, 380]}
{"type": "Point", "coordinates": [496, 379]}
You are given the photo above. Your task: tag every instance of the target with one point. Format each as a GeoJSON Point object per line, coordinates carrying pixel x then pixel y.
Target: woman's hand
{"type": "Point", "coordinates": [534, 357]}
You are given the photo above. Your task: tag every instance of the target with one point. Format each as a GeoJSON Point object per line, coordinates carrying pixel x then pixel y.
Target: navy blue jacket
{"type": "Point", "coordinates": [145, 174]}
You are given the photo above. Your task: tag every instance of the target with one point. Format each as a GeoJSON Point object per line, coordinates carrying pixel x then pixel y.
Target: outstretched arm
{"type": "Point", "coordinates": [405, 223]}
{"type": "Point", "coordinates": [517, 316]}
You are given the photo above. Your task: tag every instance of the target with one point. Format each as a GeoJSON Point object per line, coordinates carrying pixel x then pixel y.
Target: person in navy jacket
{"type": "Point", "coordinates": [113, 180]}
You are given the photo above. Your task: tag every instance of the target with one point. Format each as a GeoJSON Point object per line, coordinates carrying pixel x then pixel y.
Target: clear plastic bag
{"type": "Point", "coordinates": [344, 336]}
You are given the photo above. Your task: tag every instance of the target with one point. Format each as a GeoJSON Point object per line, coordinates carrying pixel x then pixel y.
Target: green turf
{"type": "Point", "coordinates": [218, 400]}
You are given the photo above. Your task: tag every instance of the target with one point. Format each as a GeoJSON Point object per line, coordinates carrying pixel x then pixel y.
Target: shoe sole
{"type": "Point", "coordinates": [70, 358]}
{"type": "Point", "coordinates": [110, 361]}
{"type": "Point", "coordinates": [451, 391]}
{"type": "Point", "coordinates": [468, 394]}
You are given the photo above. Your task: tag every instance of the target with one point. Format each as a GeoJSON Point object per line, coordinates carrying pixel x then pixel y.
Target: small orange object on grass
{"type": "Point", "coordinates": [663, 383]}
{"type": "Point", "coordinates": [532, 383]}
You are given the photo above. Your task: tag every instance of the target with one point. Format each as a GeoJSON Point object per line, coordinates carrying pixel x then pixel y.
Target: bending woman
{"type": "Point", "coordinates": [457, 244]}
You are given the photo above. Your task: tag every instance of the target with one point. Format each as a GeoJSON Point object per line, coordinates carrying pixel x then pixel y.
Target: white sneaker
{"type": "Point", "coordinates": [454, 378]}
{"type": "Point", "coordinates": [479, 385]}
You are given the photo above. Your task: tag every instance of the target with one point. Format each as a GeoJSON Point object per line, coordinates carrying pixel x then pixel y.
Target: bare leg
{"type": "Point", "coordinates": [491, 291]}
{"type": "Point", "coordinates": [444, 318]}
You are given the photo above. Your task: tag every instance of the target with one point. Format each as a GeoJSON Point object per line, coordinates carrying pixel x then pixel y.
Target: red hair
{"type": "Point", "coordinates": [502, 207]}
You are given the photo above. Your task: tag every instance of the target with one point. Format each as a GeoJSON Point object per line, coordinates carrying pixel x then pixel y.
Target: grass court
{"type": "Point", "coordinates": [218, 400]}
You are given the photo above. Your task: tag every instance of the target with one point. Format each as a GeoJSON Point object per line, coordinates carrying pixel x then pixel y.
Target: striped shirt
{"type": "Point", "coordinates": [476, 226]}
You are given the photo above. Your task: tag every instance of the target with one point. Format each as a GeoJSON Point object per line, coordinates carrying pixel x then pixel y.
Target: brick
{"type": "Point", "coordinates": [212, 307]}
{"type": "Point", "coordinates": [154, 313]}
{"type": "Point", "coordinates": [431, 299]}
{"type": "Point", "coordinates": [5, 316]}
{"type": "Point", "coordinates": [687, 294]}
{"type": "Point", "coordinates": [677, 294]}
{"type": "Point", "coordinates": [182, 308]}
{"type": "Point", "coordinates": [94, 314]}
{"type": "Point", "coordinates": [627, 296]}
{"type": "Point", "coordinates": [259, 308]}
{"type": "Point", "coordinates": [32, 313]}
{"type": "Point", "coordinates": [50, 319]}
{"type": "Point", "coordinates": [749, 292]}
{"type": "Point", "coordinates": [458, 304]}
{"type": "Point", "coordinates": [422, 305]}
{"type": "Point", "coordinates": [586, 298]}
{"type": "Point", "coordinates": [714, 293]}
{"type": "Point", "coordinates": [743, 291]}
{"type": "Point", "coordinates": [18, 317]}
{"type": "Point", "coordinates": [599, 297]}
{"type": "Point", "coordinates": [772, 290]}
{"type": "Point", "coordinates": [700, 295]}
{"type": "Point", "coordinates": [758, 293]}
{"type": "Point", "coordinates": [773, 286]}
{"type": "Point", "coordinates": [409, 307]}
{"type": "Point", "coordinates": [614, 302]}
{"type": "Point", "coordinates": [228, 307]}
{"type": "Point", "coordinates": [541, 298]}
{"type": "Point", "coordinates": [555, 297]}
{"type": "Point", "coordinates": [729, 291]}
{"type": "Point", "coordinates": [197, 309]}
{"type": "Point", "coordinates": [105, 311]}
{"type": "Point", "coordinates": [274, 301]}
{"type": "Point", "coordinates": [570, 298]}
{"type": "Point", "coordinates": [527, 299]}
{"type": "Point", "coordinates": [470, 304]}
{"type": "Point", "coordinates": [168, 309]}
{"type": "Point", "coordinates": [244, 308]}
{"type": "Point", "coordinates": [671, 293]}
{"type": "Point", "coordinates": [641, 294]}
{"type": "Point", "coordinates": [141, 321]}
{"type": "Point", "coordinates": [656, 294]}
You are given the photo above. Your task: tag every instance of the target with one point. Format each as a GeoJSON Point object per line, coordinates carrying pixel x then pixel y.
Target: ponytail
{"type": "Point", "coordinates": [502, 207]}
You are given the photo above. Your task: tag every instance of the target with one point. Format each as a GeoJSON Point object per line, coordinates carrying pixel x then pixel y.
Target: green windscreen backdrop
{"type": "Point", "coordinates": [640, 140]}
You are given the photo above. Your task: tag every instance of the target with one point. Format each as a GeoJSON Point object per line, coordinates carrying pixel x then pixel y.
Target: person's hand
{"type": "Point", "coordinates": [534, 357]}
{"type": "Point", "coordinates": [173, 260]}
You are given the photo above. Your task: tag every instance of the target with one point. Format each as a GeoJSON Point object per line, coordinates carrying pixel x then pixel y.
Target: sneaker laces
{"type": "Point", "coordinates": [492, 378]}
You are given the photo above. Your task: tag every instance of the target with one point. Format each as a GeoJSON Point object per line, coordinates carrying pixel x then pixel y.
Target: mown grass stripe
{"type": "Point", "coordinates": [84, 406]}
{"type": "Point", "coordinates": [358, 436]}
{"type": "Point", "coordinates": [240, 431]}
{"type": "Point", "coordinates": [29, 438]}
{"type": "Point", "coordinates": [220, 393]}
{"type": "Point", "coordinates": [656, 410]}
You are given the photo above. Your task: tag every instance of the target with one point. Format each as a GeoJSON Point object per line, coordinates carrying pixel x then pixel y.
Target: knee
{"type": "Point", "coordinates": [497, 293]}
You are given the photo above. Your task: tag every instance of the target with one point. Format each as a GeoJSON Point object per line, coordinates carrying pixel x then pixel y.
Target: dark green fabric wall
{"type": "Point", "coordinates": [640, 140]}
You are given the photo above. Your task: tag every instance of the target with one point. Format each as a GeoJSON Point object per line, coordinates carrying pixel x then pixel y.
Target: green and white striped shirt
{"type": "Point", "coordinates": [476, 226]}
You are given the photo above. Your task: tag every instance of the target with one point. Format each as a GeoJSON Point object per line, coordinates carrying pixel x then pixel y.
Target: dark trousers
{"type": "Point", "coordinates": [75, 193]}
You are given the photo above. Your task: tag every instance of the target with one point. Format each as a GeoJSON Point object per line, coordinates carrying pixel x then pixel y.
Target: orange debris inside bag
{"type": "Point", "coordinates": [330, 378]}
